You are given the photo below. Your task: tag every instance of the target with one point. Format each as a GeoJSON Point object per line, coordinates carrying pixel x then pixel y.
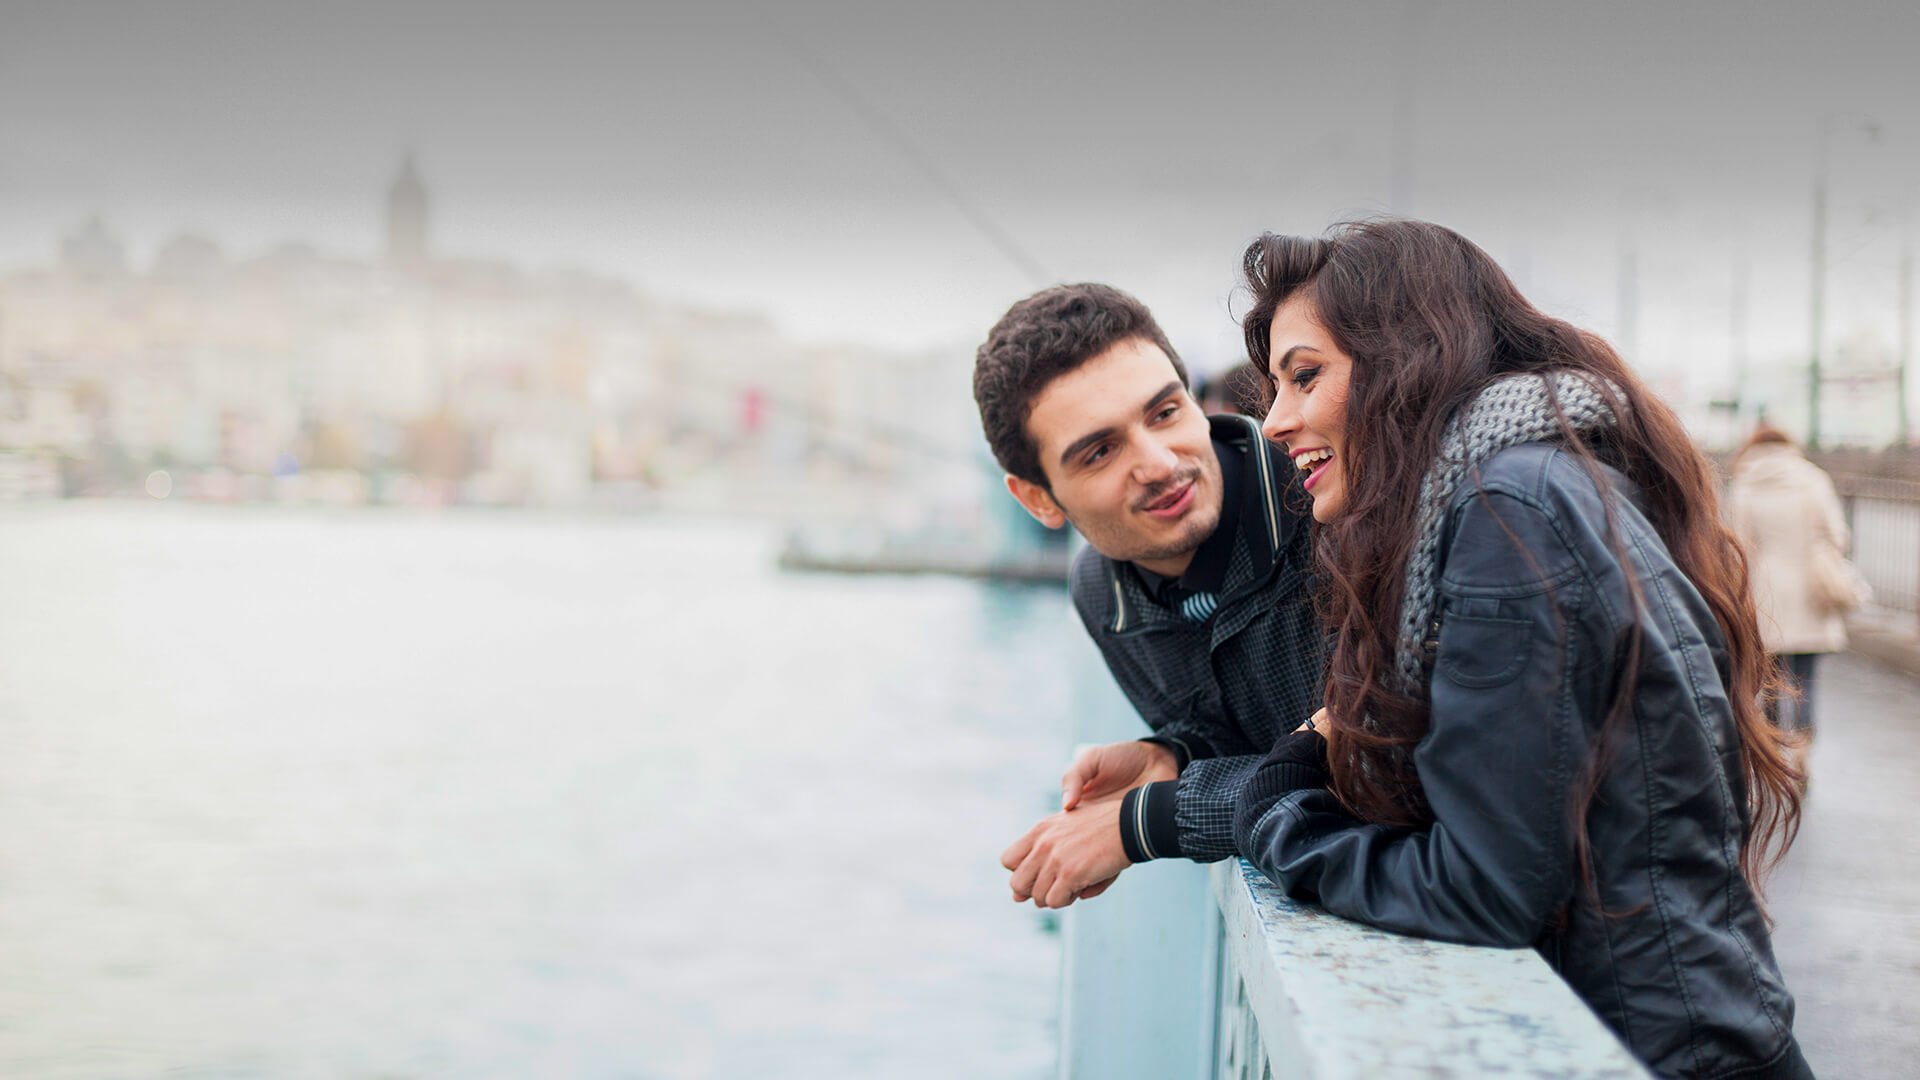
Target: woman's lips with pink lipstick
{"type": "Point", "coordinates": [1314, 462]}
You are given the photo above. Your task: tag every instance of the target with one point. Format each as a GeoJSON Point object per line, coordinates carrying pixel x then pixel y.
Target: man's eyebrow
{"type": "Point", "coordinates": [1084, 441]}
{"type": "Point", "coordinates": [1161, 395]}
{"type": "Point", "coordinates": [1092, 437]}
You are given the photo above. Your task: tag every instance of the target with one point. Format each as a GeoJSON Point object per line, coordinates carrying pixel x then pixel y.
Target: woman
{"type": "Point", "coordinates": [1543, 723]}
{"type": "Point", "coordinates": [1785, 512]}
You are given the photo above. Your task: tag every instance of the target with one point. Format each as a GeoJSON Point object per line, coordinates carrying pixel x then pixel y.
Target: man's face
{"type": "Point", "coordinates": [1129, 457]}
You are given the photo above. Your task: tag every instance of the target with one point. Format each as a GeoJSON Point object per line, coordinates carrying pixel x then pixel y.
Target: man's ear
{"type": "Point", "coordinates": [1037, 501]}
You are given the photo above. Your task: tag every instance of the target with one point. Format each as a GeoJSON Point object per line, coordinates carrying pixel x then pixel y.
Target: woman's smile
{"type": "Point", "coordinates": [1310, 375]}
{"type": "Point", "coordinates": [1314, 463]}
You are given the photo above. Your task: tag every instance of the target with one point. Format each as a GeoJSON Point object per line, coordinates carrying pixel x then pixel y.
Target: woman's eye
{"type": "Point", "coordinates": [1303, 376]}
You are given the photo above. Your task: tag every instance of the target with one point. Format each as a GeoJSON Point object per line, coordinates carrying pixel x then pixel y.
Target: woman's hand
{"type": "Point", "coordinates": [1321, 723]}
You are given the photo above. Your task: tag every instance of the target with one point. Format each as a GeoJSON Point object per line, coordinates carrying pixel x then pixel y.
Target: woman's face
{"type": "Point", "coordinates": [1309, 413]}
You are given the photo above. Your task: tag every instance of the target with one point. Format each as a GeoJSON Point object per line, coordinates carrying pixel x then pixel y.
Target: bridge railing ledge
{"type": "Point", "coordinates": [1302, 993]}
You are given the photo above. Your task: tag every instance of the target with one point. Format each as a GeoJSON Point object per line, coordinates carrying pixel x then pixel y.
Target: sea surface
{"type": "Point", "coordinates": [370, 794]}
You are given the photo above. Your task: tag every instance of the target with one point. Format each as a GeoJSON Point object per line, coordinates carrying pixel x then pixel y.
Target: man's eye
{"type": "Point", "coordinates": [1305, 375]}
{"type": "Point", "coordinates": [1166, 412]}
{"type": "Point", "coordinates": [1096, 454]}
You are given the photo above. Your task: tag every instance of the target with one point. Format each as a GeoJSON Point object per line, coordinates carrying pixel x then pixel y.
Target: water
{"type": "Point", "coordinates": [291, 795]}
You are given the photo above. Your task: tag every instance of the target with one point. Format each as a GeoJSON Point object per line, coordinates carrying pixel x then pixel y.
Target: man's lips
{"type": "Point", "coordinates": [1172, 504]}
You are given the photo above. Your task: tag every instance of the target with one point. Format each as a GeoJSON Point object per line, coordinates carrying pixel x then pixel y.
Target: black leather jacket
{"type": "Point", "coordinates": [1531, 647]}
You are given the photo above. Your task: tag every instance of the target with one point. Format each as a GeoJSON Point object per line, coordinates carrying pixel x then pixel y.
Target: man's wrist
{"type": "Point", "coordinates": [1179, 749]}
{"type": "Point", "coordinates": [1147, 829]}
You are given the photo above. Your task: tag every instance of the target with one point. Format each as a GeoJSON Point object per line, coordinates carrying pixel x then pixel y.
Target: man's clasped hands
{"type": "Point", "coordinates": [1076, 854]}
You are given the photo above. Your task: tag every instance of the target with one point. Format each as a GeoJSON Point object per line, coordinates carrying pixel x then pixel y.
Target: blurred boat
{"type": "Point", "coordinates": [853, 550]}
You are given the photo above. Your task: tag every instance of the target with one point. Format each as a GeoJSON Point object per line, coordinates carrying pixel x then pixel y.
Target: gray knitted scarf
{"type": "Point", "coordinates": [1512, 410]}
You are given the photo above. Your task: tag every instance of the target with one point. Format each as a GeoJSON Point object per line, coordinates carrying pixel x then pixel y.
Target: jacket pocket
{"type": "Point", "coordinates": [1479, 651]}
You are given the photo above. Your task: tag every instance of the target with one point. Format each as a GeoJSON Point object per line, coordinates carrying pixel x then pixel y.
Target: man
{"type": "Point", "coordinates": [1194, 584]}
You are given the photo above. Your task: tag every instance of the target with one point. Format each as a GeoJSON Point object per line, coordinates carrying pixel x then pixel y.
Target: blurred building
{"type": "Point", "coordinates": [423, 377]}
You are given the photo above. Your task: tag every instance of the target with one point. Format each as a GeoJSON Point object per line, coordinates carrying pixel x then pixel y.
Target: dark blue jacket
{"type": "Point", "coordinates": [1534, 611]}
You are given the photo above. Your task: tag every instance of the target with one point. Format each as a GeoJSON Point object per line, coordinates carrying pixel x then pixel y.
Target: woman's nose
{"type": "Point", "coordinates": [1282, 421]}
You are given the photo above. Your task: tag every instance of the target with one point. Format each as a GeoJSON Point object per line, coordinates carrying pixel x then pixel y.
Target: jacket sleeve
{"type": "Point", "coordinates": [1832, 516]}
{"type": "Point", "coordinates": [1192, 817]}
{"type": "Point", "coordinates": [1739, 515]}
{"type": "Point", "coordinates": [1193, 735]}
{"type": "Point", "coordinates": [1501, 754]}
{"type": "Point", "coordinates": [1204, 806]}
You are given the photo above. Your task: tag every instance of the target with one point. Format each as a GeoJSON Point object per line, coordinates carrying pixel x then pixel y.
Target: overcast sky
{"type": "Point", "coordinates": [900, 172]}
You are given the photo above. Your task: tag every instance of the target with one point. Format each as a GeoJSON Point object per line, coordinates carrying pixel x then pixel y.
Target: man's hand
{"type": "Point", "coordinates": [1068, 856]}
{"type": "Point", "coordinates": [1096, 888]}
{"type": "Point", "coordinates": [1100, 771]}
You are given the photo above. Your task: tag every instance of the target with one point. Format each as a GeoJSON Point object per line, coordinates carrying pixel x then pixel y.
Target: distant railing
{"type": "Point", "coordinates": [1883, 514]}
{"type": "Point", "coordinates": [1302, 993]}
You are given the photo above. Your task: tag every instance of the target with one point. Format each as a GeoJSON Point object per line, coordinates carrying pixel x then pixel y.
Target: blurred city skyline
{"type": "Point", "coordinates": [807, 208]}
{"type": "Point", "coordinates": [852, 171]}
{"type": "Point", "coordinates": [423, 379]}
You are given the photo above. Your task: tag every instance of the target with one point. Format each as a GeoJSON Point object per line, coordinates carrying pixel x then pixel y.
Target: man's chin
{"type": "Point", "coordinates": [1185, 540]}
{"type": "Point", "coordinates": [1152, 540]}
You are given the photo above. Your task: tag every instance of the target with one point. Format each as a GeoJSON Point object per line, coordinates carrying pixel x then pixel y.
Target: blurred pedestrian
{"type": "Point", "coordinates": [1239, 389]}
{"type": "Point", "coordinates": [1784, 510]}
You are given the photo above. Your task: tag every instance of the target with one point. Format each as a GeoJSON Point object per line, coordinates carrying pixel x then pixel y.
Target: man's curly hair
{"type": "Point", "coordinates": [1038, 340]}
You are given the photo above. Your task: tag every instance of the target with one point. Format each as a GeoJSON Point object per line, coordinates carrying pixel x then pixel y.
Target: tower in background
{"type": "Point", "coordinates": [407, 217]}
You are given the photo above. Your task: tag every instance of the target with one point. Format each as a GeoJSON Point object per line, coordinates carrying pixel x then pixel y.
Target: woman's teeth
{"type": "Point", "coordinates": [1305, 462]}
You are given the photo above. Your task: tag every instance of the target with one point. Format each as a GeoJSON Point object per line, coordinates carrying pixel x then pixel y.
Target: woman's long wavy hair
{"type": "Point", "coordinates": [1429, 320]}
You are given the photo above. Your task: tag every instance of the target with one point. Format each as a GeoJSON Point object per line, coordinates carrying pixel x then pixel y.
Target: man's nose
{"type": "Point", "coordinates": [1156, 461]}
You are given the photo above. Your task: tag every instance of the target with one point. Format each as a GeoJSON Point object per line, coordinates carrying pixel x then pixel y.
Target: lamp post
{"type": "Point", "coordinates": [1823, 139]}
{"type": "Point", "coordinates": [1737, 330]}
{"type": "Point", "coordinates": [1816, 318]}
{"type": "Point", "coordinates": [1906, 330]}
{"type": "Point", "coordinates": [1406, 90]}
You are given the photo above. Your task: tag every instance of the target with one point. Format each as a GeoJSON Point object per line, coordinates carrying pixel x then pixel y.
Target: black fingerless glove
{"type": "Point", "coordinates": [1298, 763]}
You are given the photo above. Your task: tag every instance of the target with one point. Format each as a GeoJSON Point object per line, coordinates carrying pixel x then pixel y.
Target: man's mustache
{"type": "Point", "coordinates": [1173, 483]}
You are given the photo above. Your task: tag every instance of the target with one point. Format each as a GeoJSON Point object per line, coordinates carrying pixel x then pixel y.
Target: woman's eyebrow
{"type": "Point", "coordinates": [1286, 358]}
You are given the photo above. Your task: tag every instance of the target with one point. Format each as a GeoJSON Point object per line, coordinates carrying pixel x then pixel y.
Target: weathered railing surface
{"type": "Point", "coordinates": [1883, 513]}
{"type": "Point", "coordinates": [1305, 994]}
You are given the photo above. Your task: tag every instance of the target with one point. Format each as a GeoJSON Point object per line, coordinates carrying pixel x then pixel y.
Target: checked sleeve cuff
{"type": "Point", "coordinates": [1146, 822]}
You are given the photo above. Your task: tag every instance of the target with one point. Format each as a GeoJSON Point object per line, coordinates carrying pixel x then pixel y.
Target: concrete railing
{"type": "Point", "coordinates": [1884, 517]}
{"type": "Point", "coordinates": [1166, 982]}
{"type": "Point", "coordinates": [1302, 993]}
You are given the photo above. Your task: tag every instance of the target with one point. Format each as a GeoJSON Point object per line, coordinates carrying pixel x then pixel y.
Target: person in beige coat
{"type": "Point", "coordinates": [1784, 509]}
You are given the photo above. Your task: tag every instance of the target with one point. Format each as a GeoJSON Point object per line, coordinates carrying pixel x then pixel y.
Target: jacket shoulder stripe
{"type": "Point", "coordinates": [1266, 482]}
